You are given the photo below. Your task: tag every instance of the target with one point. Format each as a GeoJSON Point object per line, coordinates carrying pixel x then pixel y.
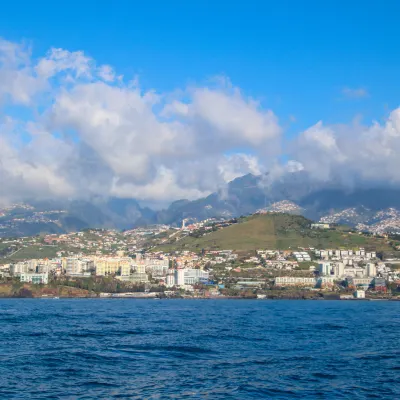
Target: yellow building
{"type": "Point", "coordinates": [111, 266]}
{"type": "Point", "coordinates": [125, 268]}
{"type": "Point", "coordinates": [140, 268]}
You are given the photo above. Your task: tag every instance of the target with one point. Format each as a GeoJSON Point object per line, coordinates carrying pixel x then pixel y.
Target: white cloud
{"type": "Point", "coordinates": [355, 93]}
{"type": "Point", "coordinates": [238, 165]}
{"type": "Point", "coordinates": [91, 134]}
{"type": "Point", "coordinates": [30, 169]}
{"type": "Point", "coordinates": [18, 84]}
{"type": "Point", "coordinates": [106, 73]}
{"type": "Point", "coordinates": [87, 133]}
{"type": "Point", "coordinates": [223, 114]}
{"type": "Point", "coordinates": [59, 60]}
{"type": "Point", "coordinates": [352, 154]}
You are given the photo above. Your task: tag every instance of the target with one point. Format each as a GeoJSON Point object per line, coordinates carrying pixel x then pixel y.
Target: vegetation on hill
{"type": "Point", "coordinates": [276, 231]}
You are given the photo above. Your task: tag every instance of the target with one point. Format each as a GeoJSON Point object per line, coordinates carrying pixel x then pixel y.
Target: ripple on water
{"type": "Point", "coordinates": [109, 349]}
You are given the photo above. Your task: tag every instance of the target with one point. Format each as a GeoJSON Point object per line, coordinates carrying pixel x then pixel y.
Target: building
{"type": "Point", "coordinates": [157, 270]}
{"type": "Point", "coordinates": [125, 268]}
{"type": "Point", "coordinates": [18, 268]}
{"type": "Point", "coordinates": [43, 268]}
{"type": "Point", "coordinates": [370, 255]}
{"type": "Point", "coordinates": [249, 284]}
{"type": "Point", "coordinates": [32, 277]}
{"type": "Point", "coordinates": [106, 267]}
{"type": "Point", "coordinates": [338, 269]}
{"type": "Point", "coordinates": [72, 266]}
{"type": "Point", "coordinates": [371, 269]}
{"type": "Point", "coordinates": [140, 268]}
{"type": "Point", "coordinates": [356, 272]}
{"type": "Point", "coordinates": [324, 268]}
{"type": "Point", "coordinates": [192, 276]}
{"type": "Point", "coordinates": [113, 266]}
{"type": "Point", "coordinates": [134, 278]}
{"type": "Point", "coordinates": [320, 225]}
{"type": "Point", "coordinates": [359, 282]}
{"type": "Point", "coordinates": [327, 268]}
{"type": "Point", "coordinates": [170, 280]}
{"type": "Point", "coordinates": [326, 281]}
{"type": "Point", "coordinates": [32, 264]}
{"type": "Point", "coordinates": [380, 284]}
{"type": "Point", "coordinates": [359, 294]}
{"type": "Point", "coordinates": [179, 277]}
{"type": "Point", "coordinates": [294, 281]}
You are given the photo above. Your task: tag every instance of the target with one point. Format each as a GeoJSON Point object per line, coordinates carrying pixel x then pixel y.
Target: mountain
{"type": "Point", "coordinates": [64, 216]}
{"type": "Point", "coordinates": [368, 209]}
{"type": "Point", "coordinates": [112, 213]}
{"type": "Point", "coordinates": [364, 219]}
{"type": "Point", "coordinates": [241, 197]}
{"type": "Point", "coordinates": [296, 193]}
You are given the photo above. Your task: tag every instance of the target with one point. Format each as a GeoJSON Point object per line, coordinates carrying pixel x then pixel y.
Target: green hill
{"type": "Point", "coordinates": [276, 231]}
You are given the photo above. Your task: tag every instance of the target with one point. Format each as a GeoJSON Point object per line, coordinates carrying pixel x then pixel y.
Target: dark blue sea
{"type": "Point", "coordinates": [199, 349]}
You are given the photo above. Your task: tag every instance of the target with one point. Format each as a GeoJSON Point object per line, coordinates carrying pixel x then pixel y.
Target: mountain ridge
{"type": "Point", "coordinates": [242, 196]}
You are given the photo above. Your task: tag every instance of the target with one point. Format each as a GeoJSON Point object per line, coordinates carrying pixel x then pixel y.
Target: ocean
{"type": "Point", "coordinates": [199, 349]}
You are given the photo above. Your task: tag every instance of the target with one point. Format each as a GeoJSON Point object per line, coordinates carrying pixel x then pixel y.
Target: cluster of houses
{"type": "Point", "coordinates": [352, 268]}
{"type": "Point", "coordinates": [177, 271]}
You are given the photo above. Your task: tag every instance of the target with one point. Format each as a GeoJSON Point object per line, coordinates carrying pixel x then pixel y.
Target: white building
{"type": "Point", "coordinates": [43, 268]}
{"type": "Point", "coordinates": [294, 281]}
{"type": "Point", "coordinates": [18, 268]}
{"type": "Point", "coordinates": [75, 266]}
{"type": "Point", "coordinates": [325, 268]}
{"type": "Point", "coordinates": [338, 269]}
{"type": "Point", "coordinates": [157, 270]}
{"type": "Point", "coordinates": [31, 277]}
{"type": "Point", "coordinates": [359, 294]}
{"type": "Point", "coordinates": [72, 266]}
{"type": "Point", "coordinates": [32, 264]}
{"type": "Point", "coordinates": [180, 277]}
{"type": "Point", "coordinates": [354, 271]}
{"type": "Point", "coordinates": [194, 276]}
{"type": "Point", "coordinates": [170, 280]}
{"type": "Point", "coordinates": [359, 281]}
{"type": "Point", "coordinates": [326, 281]}
{"type": "Point", "coordinates": [371, 270]}
{"type": "Point", "coordinates": [320, 225]}
{"type": "Point", "coordinates": [134, 278]}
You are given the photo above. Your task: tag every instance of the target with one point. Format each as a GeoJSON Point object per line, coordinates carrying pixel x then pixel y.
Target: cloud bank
{"type": "Point", "coordinates": [70, 128]}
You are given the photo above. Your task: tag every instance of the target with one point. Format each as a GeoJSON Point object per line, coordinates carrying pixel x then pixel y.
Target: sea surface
{"type": "Point", "coordinates": [199, 349]}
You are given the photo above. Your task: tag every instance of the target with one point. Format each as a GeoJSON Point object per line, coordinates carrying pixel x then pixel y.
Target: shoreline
{"type": "Point", "coordinates": [190, 298]}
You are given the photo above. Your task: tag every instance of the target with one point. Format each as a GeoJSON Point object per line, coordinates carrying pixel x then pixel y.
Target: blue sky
{"type": "Point", "coordinates": [294, 56]}
{"type": "Point", "coordinates": [69, 126]}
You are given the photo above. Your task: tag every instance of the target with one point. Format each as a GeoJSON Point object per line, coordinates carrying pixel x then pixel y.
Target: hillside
{"type": "Point", "coordinates": [276, 231]}
{"type": "Point", "coordinates": [17, 289]}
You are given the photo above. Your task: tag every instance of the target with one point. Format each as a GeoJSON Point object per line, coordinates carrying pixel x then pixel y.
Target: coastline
{"type": "Point", "coordinates": [26, 290]}
{"type": "Point", "coordinates": [194, 298]}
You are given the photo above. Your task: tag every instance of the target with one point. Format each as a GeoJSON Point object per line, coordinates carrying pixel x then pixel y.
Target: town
{"type": "Point", "coordinates": [109, 263]}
